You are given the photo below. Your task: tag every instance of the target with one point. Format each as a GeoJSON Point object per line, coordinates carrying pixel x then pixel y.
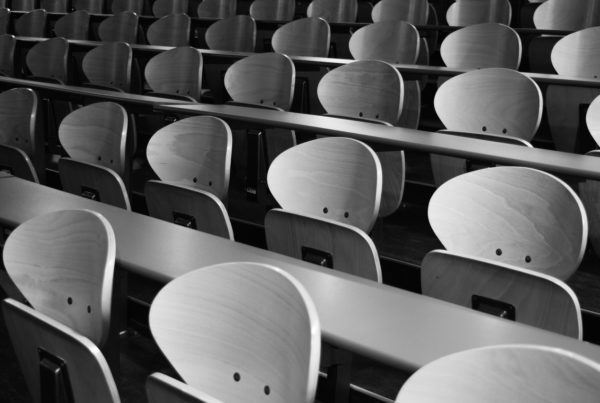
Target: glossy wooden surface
{"type": "Point", "coordinates": [48, 59]}
{"type": "Point", "coordinates": [31, 24]}
{"type": "Point", "coordinates": [273, 10]}
{"type": "Point", "coordinates": [568, 15]}
{"type": "Point", "coordinates": [19, 113]}
{"type": "Point", "coordinates": [162, 388]}
{"type": "Point", "coordinates": [177, 71]}
{"type": "Point", "coordinates": [395, 42]}
{"type": "Point", "coordinates": [412, 11]}
{"type": "Point", "coordinates": [236, 33]}
{"type": "Point", "coordinates": [74, 25]}
{"type": "Point", "coordinates": [589, 192]}
{"type": "Point", "coordinates": [469, 12]}
{"type": "Point", "coordinates": [303, 37]}
{"type": "Point", "coordinates": [170, 30]}
{"type": "Point", "coordinates": [216, 8]}
{"type": "Point", "coordinates": [121, 27]}
{"type": "Point", "coordinates": [109, 65]}
{"type": "Point", "coordinates": [240, 331]}
{"type": "Point", "coordinates": [333, 11]}
{"type": "Point", "coordinates": [17, 162]}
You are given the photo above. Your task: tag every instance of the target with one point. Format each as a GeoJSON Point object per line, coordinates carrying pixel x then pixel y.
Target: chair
{"type": "Point", "coordinates": [303, 37]}
{"type": "Point", "coordinates": [470, 12]}
{"type": "Point", "coordinates": [121, 27]}
{"type": "Point", "coordinates": [513, 215]}
{"type": "Point", "coordinates": [176, 73]}
{"type": "Point", "coordinates": [170, 30]}
{"type": "Point", "coordinates": [22, 5]}
{"type": "Point", "coordinates": [273, 10]}
{"type": "Point", "coordinates": [98, 167]}
{"type": "Point", "coordinates": [502, 290]}
{"type": "Point", "coordinates": [91, 6]}
{"type": "Point", "coordinates": [32, 24]}
{"type": "Point", "coordinates": [333, 11]}
{"type": "Point", "coordinates": [73, 26]}
{"type": "Point", "coordinates": [516, 373]}
{"type": "Point", "coordinates": [162, 388]}
{"type": "Point", "coordinates": [17, 163]}
{"type": "Point", "coordinates": [136, 6]}
{"type": "Point", "coordinates": [161, 8]}
{"type": "Point", "coordinates": [415, 12]}
{"type": "Point", "coordinates": [47, 60]}
{"type": "Point", "coordinates": [4, 21]}
{"type": "Point", "coordinates": [236, 34]}
{"type": "Point", "coordinates": [395, 42]}
{"type": "Point", "coordinates": [47, 348]}
{"type": "Point", "coordinates": [567, 15]}
{"type": "Point", "coordinates": [7, 55]}
{"type": "Point", "coordinates": [54, 6]}
{"type": "Point", "coordinates": [219, 306]}
{"type": "Point", "coordinates": [216, 8]}
{"type": "Point", "coordinates": [109, 65]}
{"type": "Point", "coordinates": [370, 90]}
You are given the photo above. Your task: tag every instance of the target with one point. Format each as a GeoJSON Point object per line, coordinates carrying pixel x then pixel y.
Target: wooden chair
{"type": "Point", "coordinates": [395, 42]}
{"type": "Point", "coordinates": [136, 6]}
{"type": "Point", "coordinates": [31, 24]}
{"type": "Point", "coordinates": [7, 55]}
{"type": "Point", "coordinates": [216, 9]}
{"type": "Point", "coordinates": [99, 169]}
{"type": "Point", "coordinates": [22, 5]}
{"type": "Point", "coordinates": [567, 15]}
{"type": "Point", "coordinates": [121, 27]}
{"type": "Point", "coordinates": [413, 12]}
{"type": "Point", "coordinates": [45, 347]}
{"type": "Point", "coordinates": [48, 60]}
{"type": "Point", "coordinates": [273, 10]}
{"type": "Point", "coordinates": [502, 290]}
{"type": "Point", "coordinates": [303, 37]}
{"type": "Point", "coordinates": [162, 388]}
{"type": "Point", "coordinates": [109, 66]}
{"type": "Point", "coordinates": [4, 21]}
{"type": "Point", "coordinates": [16, 162]}
{"type": "Point", "coordinates": [470, 12]}
{"type": "Point", "coordinates": [176, 73]}
{"type": "Point", "coordinates": [74, 25]}
{"type": "Point", "coordinates": [333, 11]}
{"type": "Point", "coordinates": [91, 6]}
{"type": "Point", "coordinates": [225, 303]}
{"type": "Point", "coordinates": [54, 6]}
{"type": "Point", "coordinates": [515, 373]}
{"type": "Point", "coordinates": [513, 215]}
{"type": "Point", "coordinates": [161, 8]}
{"type": "Point", "coordinates": [170, 30]}
{"type": "Point", "coordinates": [370, 90]}
{"type": "Point", "coordinates": [236, 34]}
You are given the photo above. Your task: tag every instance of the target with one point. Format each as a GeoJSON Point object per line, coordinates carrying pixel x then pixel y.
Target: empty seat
{"type": "Point", "coordinates": [91, 6]}
{"type": "Point", "coordinates": [73, 26]}
{"type": "Point", "coordinates": [216, 8]}
{"type": "Point", "coordinates": [469, 12]}
{"type": "Point", "coordinates": [303, 37]}
{"type": "Point", "coordinates": [236, 33]}
{"type": "Point", "coordinates": [170, 30]}
{"type": "Point", "coordinates": [121, 27]}
{"type": "Point", "coordinates": [161, 8]}
{"type": "Point", "coordinates": [48, 60]}
{"type": "Point", "coordinates": [109, 66]}
{"type": "Point", "coordinates": [414, 12]}
{"type": "Point", "coordinates": [136, 6]}
{"type": "Point", "coordinates": [273, 10]}
{"type": "Point", "coordinates": [333, 11]}
{"type": "Point", "coordinates": [22, 5]}
{"type": "Point", "coordinates": [567, 15]}
{"type": "Point", "coordinates": [391, 41]}
{"type": "Point", "coordinates": [16, 162]}
{"type": "Point", "coordinates": [176, 73]}
{"type": "Point", "coordinates": [54, 6]}
{"type": "Point", "coordinates": [32, 24]}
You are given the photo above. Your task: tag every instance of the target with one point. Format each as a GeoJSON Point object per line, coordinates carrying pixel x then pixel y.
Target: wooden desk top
{"type": "Point", "coordinates": [401, 328]}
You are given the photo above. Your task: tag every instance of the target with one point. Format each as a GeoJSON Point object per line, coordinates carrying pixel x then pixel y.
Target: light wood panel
{"type": "Point", "coordinates": [412, 11]}
{"type": "Point", "coordinates": [303, 37]}
{"type": "Point", "coordinates": [31, 24]}
{"type": "Point", "coordinates": [469, 12]}
{"type": "Point", "coordinates": [395, 42]}
{"type": "Point", "coordinates": [567, 15]}
{"type": "Point", "coordinates": [333, 11]}
{"type": "Point", "coordinates": [589, 191]}
{"type": "Point", "coordinates": [109, 65]}
{"type": "Point", "coordinates": [161, 8]}
{"type": "Point", "coordinates": [120, 27]}
{"type": "Point", "coordinates": [48, 59]}
{"type": "Point", "coordinates": [236, 33]}
{"type": "Point", "coordinates": [170, 30]}
{"type": "Point", "coordinates": [176, 72]}
{"type": "Point", "coordinates": [216, 8]}
{"type": "Point", "coordinates": [74, 25]}
{"type": "Point", "coordinates": [273, 10]}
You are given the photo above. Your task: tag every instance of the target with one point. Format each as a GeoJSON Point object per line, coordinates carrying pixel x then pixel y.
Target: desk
{"type": "Point", "coordinates": [397, 327]}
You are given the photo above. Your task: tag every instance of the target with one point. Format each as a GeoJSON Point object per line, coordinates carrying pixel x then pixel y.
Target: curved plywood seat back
{"type": "Point", "coordinates": [177, 71]}
{"type": "Point", "coordinates": [162, 388]}
{"type": "Point", "coordinates": [494, 100]}
{"type": "Point", "coordinates": [335, 178]}
{"type": "Point", "coordinates": [195, 151]}
{"type": "Point", "coordinates": [96, 134]}
{"type": "Point", "coordinates": [350, 249]}
{"type": "Point", "coordinates": [48, 59]}
{"type": "Point", "coordinates": [395, 42]}
{"type": "Point", "coordinates": [263, 78]}
{"type": "Point", "coordinates": [32, 24]}
{"type": "Point", "coordinates": [469, 12]}
{"type": "Point", "coordinates": [91, 6]}
{"type": "Point", "coordinates": [22, 5]}
{"type": "Point", "coordinates": [89, 375]}
{"type": "Point", "coordinates": [333, 10]}
{"type": "Point", "coordinates": [170, 30]}
{"type": "Point", "coordinates": [236, 34]}
{"type": "Point", "coordinates": [589, 191]}
{"type": "Point", "coordinates": [501, 372]}
{"type": "Point", "coordinates": [136, 6]}
{"type": "Point", "coordinates": [514, 215]}
{"type": "Point", "coordinates": [4, 21]}
{"type": "Point", "coordinates": [160, 8]}
{"type": "Point", "coordinates": [121, 27]}
{"type": "Point", "coordinates": [567, 15]}
{"type": "Point", "coordinates": [470, 47]}
{"type": "Point", "coordinates": [226, 303]}
{"type": "Point", "coordinates": [303, 37]}
{"type": "Point", "coordinates": [592, 119]}
{"type": "Point", "coordinates": [15, 161]}
{"type": "Point", "coordinates": [534, 298]}
{"type": "Point", "coordinates": [217, 8]}
{"type": "Point", "coordinates": [74, 25]}
{"type": "Point", "coordinates": [273, 10]}
{"type": "Point", "coordinates": [63, 263]}
{"type": "Point", "coordinates": [414, 12]}
{"type": "Point", "coordinates": [109, 65]}
{"type": "Point", "coordinates": [18, 114]}
{"type": "Point", "coordinates": [188, 206]}
{"type": "Point", "coordinates": [54, 6]}
{"type": "Point", "coordinates": [7, 55]}
{"type": "Point", "coordinates": [577, 54]}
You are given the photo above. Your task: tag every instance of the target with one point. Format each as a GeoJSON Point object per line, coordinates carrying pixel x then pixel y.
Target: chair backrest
{"type": "Point", "coordinates": [414, 12]}
{"type": "Point", "coordinates": [514, 215]}
{"type": "Point", "coordinates": [74, 25]}
{"type": "Point", "coordinates": [19, 117]}
{"type": "Point", "coordinates": [54, 6]}
{"type": "Point", "coordinates": [7, 55]}
{"type": "Point", "coordinates": [48, 59]}
{"type": "Point", "coordinates": [15, 161]}
{"type": "Point", "coordinates": [195, 151]}
{"type": "Point", "coordinates": [162, 388]}
{"type": "Point", "coordinates": [592, 119]}
{"type": "Point", "coordinates": [32, 24]}
{"type": "Point", "coordinates": [236, 33]}
{"type": "Point", "coordinates": [333, 10]}
{"type": "Point", "coordinates": [217, 8]}
{"type": "Point", "coordinates": [263, 78]}
{"type": "Point", "coordinates": [568, 15]}
{"type": "Point", "coordinates": [576, 55]}
{"type": "Point", "coordinates": [177, 72]}
{"type": "Point", "coordinates": [589, 192]}
{"type": "Point", "coordinates": [303, 37]}
{"type": "Point", "coordinates": [136, 6]}
{"type": "Point", "coordinates": [63, 263]}
{"type": "Point", "coordinates": [218, 307]}
{"type": "Point", "coordinates": [109, 64]}
{"type": "Point", "coordinates": [333, 178]}
{"type": "Point", "coordinates": [507, 291]}
{"type": "Point", "coordinates": [120, 27]}
{"type": "Point", "coordinates": [273, 10]}
{"type": "Point", "coordinates": [91, 6]}
{"type": "Point", "coordinates": [395, 42]}
{"type": "Point", "coordinates": [493, 100]}
{"type": "Point", "coordinates": [160, 8]}
{"type": "Point", "coordinates": [469, 47]}
{"type": "Point", "coordinates": [4, 21]}
{"type": "Point", "coordinates": [188, 206]}
{"type": "Point", "coordinates": [512, 373]}
{"type": "Point", "coordinates": [469, 12]}
{"type": "Point", "coordinates": [170, 30]}
{"type": "Point", "coordinates": [36, 336]}
{"type": "Point", "coordinates": [22, 5]}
